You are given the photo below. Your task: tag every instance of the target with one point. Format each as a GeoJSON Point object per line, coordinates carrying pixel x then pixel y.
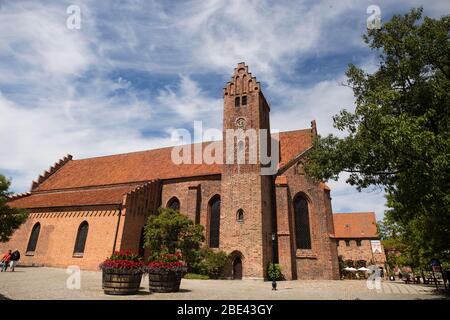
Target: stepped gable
{"type": "Point", "coordinates": [43, 177]}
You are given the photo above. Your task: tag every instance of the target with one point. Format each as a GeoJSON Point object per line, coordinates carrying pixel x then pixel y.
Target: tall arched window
{"type": "Point", "coordinates": [214, 222]}
{"type": "Point", "coordinates": [302, 230]}
{"type": "Point", "coordinates": [81, 238]}
{"type": "Point", "coordinates": [34, 236]}
{"type": "Point", "coordinates": [174, 204]}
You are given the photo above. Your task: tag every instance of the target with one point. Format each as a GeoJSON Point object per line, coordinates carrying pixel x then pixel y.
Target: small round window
{"type": "Point", "coordinates": [240, 215]}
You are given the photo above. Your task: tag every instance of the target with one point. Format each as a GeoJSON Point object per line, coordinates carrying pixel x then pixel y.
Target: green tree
{"type": "Point", "coordinates": [398, 136]}
{"type": "Point", "coordinates": [395, 243]}
{"type": "Point", "coordinates": [170, 231]}
{"type": "Point", "coordinates": [10, 218]}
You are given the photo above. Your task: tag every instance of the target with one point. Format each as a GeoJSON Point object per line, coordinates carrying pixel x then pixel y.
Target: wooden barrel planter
{"type": "Point", "coordinates": [123, 282]}
{"type": "Point", "coordinates": [165, 281]}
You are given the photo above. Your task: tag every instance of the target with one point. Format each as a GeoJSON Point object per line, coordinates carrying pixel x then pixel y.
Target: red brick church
{"type": "Point", "coordinates": [82, 210]}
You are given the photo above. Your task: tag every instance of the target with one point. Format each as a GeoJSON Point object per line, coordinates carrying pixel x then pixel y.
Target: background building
{"type": "Point", "coordinates": [357, 238]}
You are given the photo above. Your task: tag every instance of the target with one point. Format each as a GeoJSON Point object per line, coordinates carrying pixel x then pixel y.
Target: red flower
{"type": "Point", "coordinates": [121, 264]}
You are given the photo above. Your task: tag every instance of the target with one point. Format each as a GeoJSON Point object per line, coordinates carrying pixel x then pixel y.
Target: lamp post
{"type": "Point", "coordinates": [274, 281]}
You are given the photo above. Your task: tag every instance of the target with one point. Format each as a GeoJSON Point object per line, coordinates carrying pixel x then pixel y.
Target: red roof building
{"type": "Point", "coordinates": [357, 237]}
{"type": "Point", "coordinates": [81, 210]}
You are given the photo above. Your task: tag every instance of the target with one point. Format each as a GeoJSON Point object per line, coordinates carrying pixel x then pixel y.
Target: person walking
{"type": "Point", "coordinates": [5, 260]}
{"type": "Point", "coordinates": [15, 257]}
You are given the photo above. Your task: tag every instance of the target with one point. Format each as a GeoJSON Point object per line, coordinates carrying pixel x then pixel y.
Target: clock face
{"type": "Point", "coordinates": [240, 123]}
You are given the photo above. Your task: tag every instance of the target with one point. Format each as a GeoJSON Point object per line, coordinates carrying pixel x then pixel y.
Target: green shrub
{"type": "Point", "coordinates": [274, 272]}
{"type": "Point", "coordinates": [195, 276]}
{"type": "Point", "coordinates": [170, 231]}
{"type": "Point", "coordinates": [210, 262]}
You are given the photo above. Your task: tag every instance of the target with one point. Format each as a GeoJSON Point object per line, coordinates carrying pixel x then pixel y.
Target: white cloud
{"type": "Point", "coordinates": [346, 199]}
{"type": "Point", "coordinates": [190, 103]}
{"type": "Point", "coordinates": [320, 102]}
{"type": "Point", "coordinates": [59, 95]}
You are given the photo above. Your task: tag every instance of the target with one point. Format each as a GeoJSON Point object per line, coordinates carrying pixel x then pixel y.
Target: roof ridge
{"type": "Point", "coordinates": [47, 173]}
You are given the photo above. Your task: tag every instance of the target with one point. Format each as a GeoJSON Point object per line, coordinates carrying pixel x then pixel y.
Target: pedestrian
{"type": "Point", "coordinates": [5, 260]}
{"type": "Point", "coordinates": [15, 257]}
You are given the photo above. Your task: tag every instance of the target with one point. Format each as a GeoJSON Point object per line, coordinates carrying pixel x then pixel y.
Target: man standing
{"type": "Point", "coordinates": [15, 257]}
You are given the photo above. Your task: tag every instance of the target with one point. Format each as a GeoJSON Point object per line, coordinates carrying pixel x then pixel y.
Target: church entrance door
{"type": "Point", "coordinates": [237, 269]}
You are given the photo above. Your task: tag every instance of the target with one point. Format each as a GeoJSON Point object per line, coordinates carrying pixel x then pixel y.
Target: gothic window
{"type": "Point", "coordinates": [174, 204]}
{"type": "Point", "coordinates": [237, 102]}
{"type": "Point", "coordinates": [80, 242]}
{"type": "Point", "coordinates": [302, 230]}
{"type": "Point", "coordinates": [240, 215]}
{"type": "Point", "coordinates": [244, 100]}
{"type": "Point", "coordinates": [214, 222]}
{"type": "Point", "coordinates": [32, 242]}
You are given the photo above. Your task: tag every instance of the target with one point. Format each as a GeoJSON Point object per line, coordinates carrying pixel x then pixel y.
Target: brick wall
{"type": "Point", "coordinates": [55, 245]}
{"type": "Point", "coordinates": [363, 252]}
{"type": "Point", "coordinates": [138, 205]}
{"type": "Point", "coordinates": [194, 195]}
{"type": "Point", "coordinates": [242, 185]}
{"type": "Point", "coordinates": [320, 262]}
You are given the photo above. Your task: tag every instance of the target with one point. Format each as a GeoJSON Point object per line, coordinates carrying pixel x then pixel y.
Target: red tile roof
{"type": "Point", "coordinates": [292, 143]}
{"type": "Point", "coordinates": [130, 168]}
{"type": "Point", "coordinates": [355, 225]}
{"type": "Point", "coordinates": [151, 164]}
{"type": "Point", "coordinates": [110, 195]}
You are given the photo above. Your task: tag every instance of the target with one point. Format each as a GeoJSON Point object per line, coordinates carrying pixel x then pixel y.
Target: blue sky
{"type": "Point", "coordinates": [138, 69]}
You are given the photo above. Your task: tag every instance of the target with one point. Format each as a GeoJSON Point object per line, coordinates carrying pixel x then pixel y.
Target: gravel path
{"type": "Point", "coordinates": [51, 283]}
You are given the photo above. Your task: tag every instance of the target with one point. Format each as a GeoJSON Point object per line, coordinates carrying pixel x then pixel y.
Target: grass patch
{"type": "Point", "coordinates": [195, 276]}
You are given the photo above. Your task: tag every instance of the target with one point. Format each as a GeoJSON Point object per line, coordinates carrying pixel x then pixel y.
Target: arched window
{"type": "Point", "coordinates": [240, 215]}
{"type": "Point", "coordinates": [302, 231]}
{"type": "Point", "coordinates": [32, 242]}
{"type": "Point", "coordinates": [174, 204]}
{"type": "Point", "coordinates": [214, 222]}
{"type": "Point", "coordinates": [81, 238]}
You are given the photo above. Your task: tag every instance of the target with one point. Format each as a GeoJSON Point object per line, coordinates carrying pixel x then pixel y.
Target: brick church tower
{"type": "Point", "coordinates": [246, 204]}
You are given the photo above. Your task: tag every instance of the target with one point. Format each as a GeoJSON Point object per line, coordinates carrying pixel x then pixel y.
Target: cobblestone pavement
{"type": "Point", "coordinates": [51, 283]}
